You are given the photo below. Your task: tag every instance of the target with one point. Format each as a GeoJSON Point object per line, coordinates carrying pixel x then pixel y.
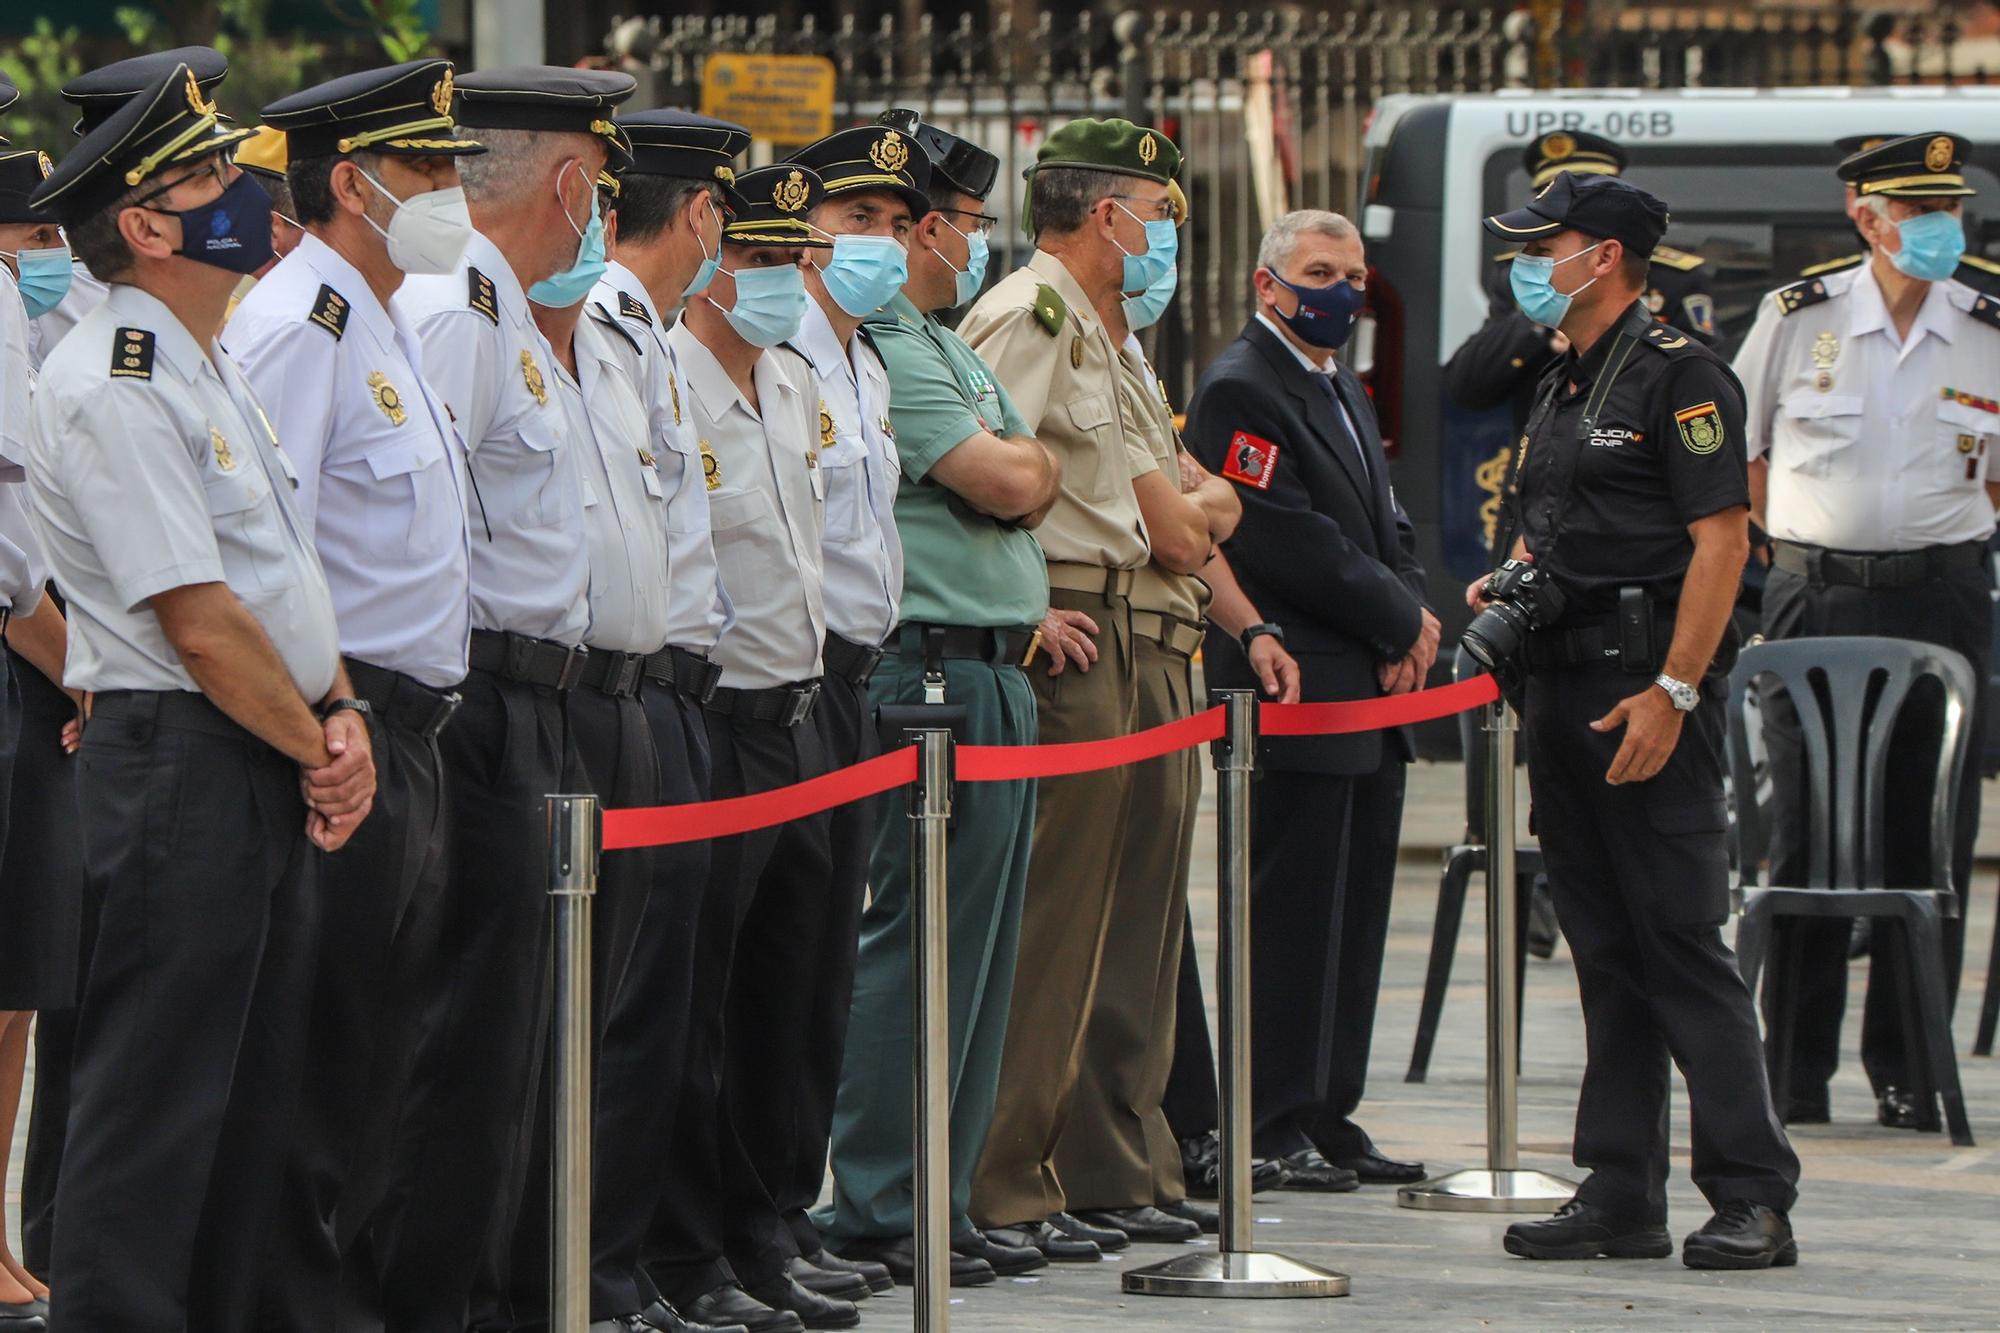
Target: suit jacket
{"type": "Point", "coordinates": [1323, 549]}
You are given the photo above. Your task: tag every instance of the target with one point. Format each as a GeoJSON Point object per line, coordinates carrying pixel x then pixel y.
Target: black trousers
{"type": "Point", "coordinates": [1641, 882]}
{"type": "Point", "coordinates": [1956, 613]}
{"type": "Point", "coordinates": [455, 1179]}
{"type": "Point", "coordinates": [381, 901]}
{"type": "Point", "coordinates": [752, 1013]}
{"type": "Point", "coordinates": [42, 867]}
{"type": "Point", "coordinates": [642, 1062]}
{"type": "Point", "coordinates": [614, 744]}
{"type": "Point", "coordinates": [1192, 1103]}
{"type": "Point", "coordinates": [1322, 868]}
{"type": "Point", "coordinates": [191, 1033]}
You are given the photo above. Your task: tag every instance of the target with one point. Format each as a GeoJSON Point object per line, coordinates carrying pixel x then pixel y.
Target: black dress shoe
{"type": "Point", "coordinates": [731, 1304]}
{"type": "Point", "coordinates": [1306, 1169]}
{"type": "Point", "coordinates": [1054, 1245]}
{"type": "Point", "coordinates": [841, 1285]}
{"type": "Point", "coordinates": [876, 1275]}
{"type": "Point", "coordinates": [1201, 1168]}
{"type": "Point", "coordinates": [1808, 1108]}
{"type": "Point", "coordinates": [813, 1309]}
{"type": "Point", "coordinates": [1742, 1234]}
{"type": "Point", "coordinates": [1897, 1108]}
{"type": "Point", "coordinates": [1372, 1168]}
{"type": "Point", "coordinates": [1208, 1219]}
{"type": "Point", "coordinates": [1108, 1239]}
{"type": "Point", "coordinates": [666, 1319]}
{"type": "Point", "coordinates": [25, 1317]}
{"type": "Point", "coordinates": [1005, 1260]}
{"type": "Point", "coordinates": [897, 1255]}
{"type": "Point", "coordinates": [1143, 1223]}
{"type": "Point", "coordinates": [1581, 1230]}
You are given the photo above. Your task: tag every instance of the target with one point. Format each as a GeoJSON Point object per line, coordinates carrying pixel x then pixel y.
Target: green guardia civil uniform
{"type": "Point", "coordinates": [983, 585]}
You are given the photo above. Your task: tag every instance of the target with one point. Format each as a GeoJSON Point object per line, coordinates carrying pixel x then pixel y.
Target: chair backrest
{"type": "Point", "coordinates": [1848, 694]}
{"type": "Point", "coordinates": [1472, 745]}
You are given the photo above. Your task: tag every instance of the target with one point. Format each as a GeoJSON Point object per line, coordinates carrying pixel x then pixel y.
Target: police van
{"type": "Point", "coordinates": [1747, 174]}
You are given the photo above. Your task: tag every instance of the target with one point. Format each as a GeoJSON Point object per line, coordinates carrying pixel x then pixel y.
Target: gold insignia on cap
{"type": "Point", "coordinates": [1558, 147]}
{"type": "Point", "coordinates": [711, 470]}
{"type": "Point", "coordinates": [42, 161]}
{"type": "Point", "coordinates": [727, 175]}
{"type": "Point", "coordinates": [1938, 153]}
{"type": "Point", "coordinates": [1149, 149]}
{"type": "Point", "coordinates": [223, 458]}
{"type": "Point", "coordinates": [386, 397]}
{"type": "Point", "coordinates": [1825, 350]}
{"type": "Point", "coordinates": [195, 101]}
{"type": "Point", "coordinates": [889, 152]}
{"type": "Point", "coordinates": [605, 128]}
{"type": "Point", "coordinates": [532, 375]}
{"type": "Point", "coordinates": [441, 95]}
{"type": "Point", "coordinates": [791, 193]}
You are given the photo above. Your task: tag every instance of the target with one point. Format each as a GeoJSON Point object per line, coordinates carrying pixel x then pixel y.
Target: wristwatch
{"type": "Point", "coordinates": [347, 706]}
{"type": "Point", "coordinates": [1267, 627]}
{"type": "Point", "coordinates": [1684, 695]}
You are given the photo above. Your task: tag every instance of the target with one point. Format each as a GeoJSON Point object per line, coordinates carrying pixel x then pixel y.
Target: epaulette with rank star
{"type": "Point", "coordinates": [1985, 309]}
{"type": "Point", "coordinates": [1807, 292]}
{"type": "Point", "coordinates": [632, 307]}
{"type": "Point", "coordinates": [330, 311]}
{"type": "Point", "coordinates": [480, 294]}
{"type": "Point", "coordinates": [132, 355]}
{"type": "Point", "coordinates": [1051, 312]}
{"type": "Point", "coordinates": [1677, 259]}
{"type": "Point", "coordinates": [1665, 338]}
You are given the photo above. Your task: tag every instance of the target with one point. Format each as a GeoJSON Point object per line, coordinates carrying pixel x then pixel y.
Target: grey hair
{"type": "Point", "coordinates": [1874, 203]}
{"type": "Point", "coordinates": [1276, 249]}
{"type": "Point", "coordinates": [515, 162]}
{"type": "Point", "coordinates": [1060, 198]}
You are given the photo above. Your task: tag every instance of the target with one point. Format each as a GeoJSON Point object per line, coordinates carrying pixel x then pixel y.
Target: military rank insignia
{"type": "Point", "coordinates": [674, 387]}
{"type": "Point", "coordinates": [632, 307]}
{"type": "Point", "coordinates": [1250, 461]}
{"type": "Point", "coordinates": [386, 397]}
{"type": "Point", "coordinates": [330, 310]}
{"type": "Point", "coordinates": [480, 294]}
{"type": "Point", "coordinates": [531, 374]}
{"type": "Point", "coordinates": [132, 355]}
{"type": "Point", "coordinates": [223, 458]}
{"type": "Point", "coordinates": [711, 470]}
{"type": "Point", "coordinates": [1701, 427]}
{"type": "Point", "coordinates": [1971, 400]}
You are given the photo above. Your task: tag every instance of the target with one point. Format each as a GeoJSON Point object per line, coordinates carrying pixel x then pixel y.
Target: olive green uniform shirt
{"type": "Point", "coordinates": [1153, 445]}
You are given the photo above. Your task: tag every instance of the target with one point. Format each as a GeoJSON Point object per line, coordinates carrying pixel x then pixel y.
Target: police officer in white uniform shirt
{"type": "Point", "coordinates": [664, 227]}
{"type": "Point", "coordinates": [1873, 406]}
{"type": "Point", "coordinates": [381, 490]}
{"type": "Point", "coordinates": [724, 1255]}
{"type": "Point", "coordinates": [202, 622]}
{"type": "Point", "coordinates": [531, 195]}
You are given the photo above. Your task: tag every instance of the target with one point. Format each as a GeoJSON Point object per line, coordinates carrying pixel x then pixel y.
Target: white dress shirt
{"type": "Point", "coordinates": [623, 498]}
{"type": "Point", "coordinates": [381, 484]}
{"type": "Point", "coordinates": [495, 374]}
{"type": "Point", "coordinates": [1876, 443]}
{"type": "Point", "coordinates": [1325, 369]}
{"type": "Point", "coordinates": [698, 608]}
{"type": "Point", "coordinates": [858, 460]}
{"type": "Point", "coordinates": [765, 504]}
{"type": "Point", "coordinates": [153, 467]}
{"type": "Point", "coordinates": [23, 568]}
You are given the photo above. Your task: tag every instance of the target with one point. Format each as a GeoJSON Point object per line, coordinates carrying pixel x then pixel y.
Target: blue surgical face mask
{"type": "Point", "coordinates": [1144, 310]}
{"type": "Point", "coordinates": [565, 289]}
{"type": "Point", "coordinates": [1533, 279]}
{"type": "Point", "coordinates": [1325, 316]}
{"type": "Point", "coordinates": [968, 280]}
{"type": "Point", "coordinates": [231, 231]}
{"type": "Point", "coordinates": [864, 272]}
{"type": "Point", "coordinates": [770, 304]}
{"type": "Point", "coordinates": [1933, 243]}
{"type": "Point", "coordinates": [44, 279]}
{"type": "Point", "coordinates": [1163, 245]}
{"type": "Point", "coordinates": [709, 262]}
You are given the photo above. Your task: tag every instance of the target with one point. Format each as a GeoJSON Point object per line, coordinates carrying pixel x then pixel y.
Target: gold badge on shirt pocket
{"type": "Point", "coordinates": [674, 387]}
{"type": "Point", "coordinates": [387, 398]}
{"type": "Point", "coordinates": [223, 458]}
{"type": "Point", "coordinates": [532, 375]}
{"type": "Point", "coordinates": [711, 470]}
{"type": "Point", "coordinates": [825, 432]}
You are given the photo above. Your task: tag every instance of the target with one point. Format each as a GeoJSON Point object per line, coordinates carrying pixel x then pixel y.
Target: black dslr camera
{"type": "Point", "coordinates": [1523, 598]}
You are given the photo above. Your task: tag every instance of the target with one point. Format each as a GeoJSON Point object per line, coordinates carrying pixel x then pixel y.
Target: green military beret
{"type": "Point", "coordinates": [1105, 145]}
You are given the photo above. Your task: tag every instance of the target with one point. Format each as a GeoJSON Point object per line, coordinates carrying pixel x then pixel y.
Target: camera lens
{"type": "Point", "coordinates": [1495, 635]}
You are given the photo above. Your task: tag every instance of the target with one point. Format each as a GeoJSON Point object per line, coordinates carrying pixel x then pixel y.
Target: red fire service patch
{"type": "Point", "coordinates": [1251, 460]}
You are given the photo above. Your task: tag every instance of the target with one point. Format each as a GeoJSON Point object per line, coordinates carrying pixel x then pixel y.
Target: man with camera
{"type": "Point", "coordinates": [1632, 504]}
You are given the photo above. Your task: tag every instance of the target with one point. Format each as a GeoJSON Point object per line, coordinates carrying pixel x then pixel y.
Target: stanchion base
{"type": "Point", "coordinates": [1478, 1191]}
{"type": "Point", "coordinates": [1247, 1275]}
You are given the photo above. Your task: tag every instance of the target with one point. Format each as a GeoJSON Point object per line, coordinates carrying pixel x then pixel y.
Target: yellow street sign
{"type": "Point", "coordinates": [786, 99]}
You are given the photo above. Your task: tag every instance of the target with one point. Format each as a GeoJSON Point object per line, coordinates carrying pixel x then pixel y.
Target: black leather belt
{"type": "Point", "coordinates": [613, 673]}
{"type": "Point", "coordinates": [786, 705]}
{"type": "Point", "coordinates": [849, 660]}
{"type": "Point", "coordinates": [1002, 647]}
{"type": "Point", "coordinates": [399, 701]}
{"type": "Point", "coordinates": [688, 672]}
{"type": "Point", "coordinates": [1597, 643]}
{"type": "Point", "coordinates": [1876, 569]}
{"type": "Point", "coordinates": [517, 657]}
{"type": "Point", "coordinates": [183, 710]}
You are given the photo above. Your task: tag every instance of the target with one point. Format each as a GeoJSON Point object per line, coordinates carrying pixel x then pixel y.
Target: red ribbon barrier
{"type": "Point", "coordinates": [663, 825]}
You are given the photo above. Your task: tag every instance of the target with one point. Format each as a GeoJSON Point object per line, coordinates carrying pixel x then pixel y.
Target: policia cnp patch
{"type": "Point", "coordinates": [1701, 427]}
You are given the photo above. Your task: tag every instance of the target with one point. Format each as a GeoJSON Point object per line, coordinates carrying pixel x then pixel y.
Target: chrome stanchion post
{"type": "Point", "coordinates": [1503, 1187]}
{"type": "Point", "coordinates": [1236, 1268]}
{"type": "Point", "coordinates": [930, 813]}
{"type": "Point", "coordinates": [572, 839]}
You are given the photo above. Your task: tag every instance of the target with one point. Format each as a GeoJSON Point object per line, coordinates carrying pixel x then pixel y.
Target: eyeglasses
{"type": "Point", "coordinates": [1164, 207]}
{"type": "Point", "coordinates": [222, 169]}
{"type": "Point", "coordinates": [982, 224]}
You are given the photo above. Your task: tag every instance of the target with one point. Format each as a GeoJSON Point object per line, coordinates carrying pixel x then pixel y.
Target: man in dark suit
{"type": "Point", "coordinates": [1323, 549]}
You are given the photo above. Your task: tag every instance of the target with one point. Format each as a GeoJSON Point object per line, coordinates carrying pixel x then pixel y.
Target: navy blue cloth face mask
{"type": "Point", "coordinates": [231, 231]}
{"type": "Point", "coordinates": [1326, 314]}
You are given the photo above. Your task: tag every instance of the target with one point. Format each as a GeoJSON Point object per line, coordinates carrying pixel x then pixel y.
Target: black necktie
{"type": "Point", "coordinates": [1340, 415]}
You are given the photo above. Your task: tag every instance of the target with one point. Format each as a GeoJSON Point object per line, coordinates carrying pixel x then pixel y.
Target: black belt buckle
{"type": "Point", "coordinates": [799, 705]}
{"type": "Point", "coordinates": [711, 680]}
{"type": "Point", "coordinates": [870, 659]}
{"type": "Point", "coordinates": [572, 667]}
{"type": "Point", "coordinates": [447, 705]}
{"type": "Point", "coordinates": [624, 682]}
